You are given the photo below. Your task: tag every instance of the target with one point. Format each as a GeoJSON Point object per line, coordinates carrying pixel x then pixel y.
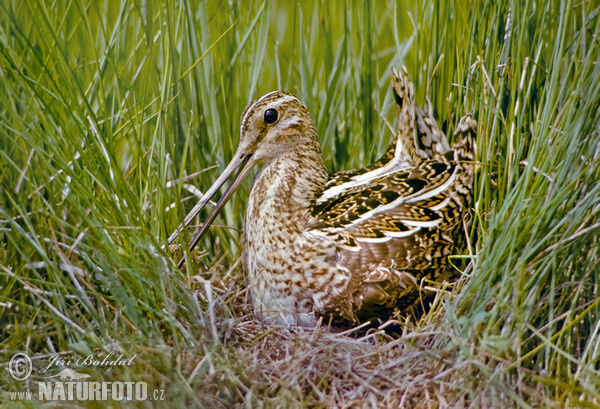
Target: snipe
{"type": "Point", "coordinates": [356, 245]}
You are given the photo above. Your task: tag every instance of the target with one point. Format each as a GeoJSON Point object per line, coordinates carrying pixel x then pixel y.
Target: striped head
{"type": "Point", "coordinates": [274, 124]}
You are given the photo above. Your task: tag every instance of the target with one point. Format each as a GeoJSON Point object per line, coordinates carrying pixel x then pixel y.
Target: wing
{"type": "Point", "coordinates": [434, 193]}
{"type": "Point", "coordinates": [396, 230]}
{"type": "Point", "coordinates": [397, 220]}
{"type": "Point", "coordinates": [418, 138]}
{"type": "Point", "coordinates": [394, 194]}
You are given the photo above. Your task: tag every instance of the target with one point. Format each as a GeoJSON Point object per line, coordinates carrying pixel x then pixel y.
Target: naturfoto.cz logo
{"type": "Point", "coordinates": [93, 391]}
{"type": "Point", "coordinates": [71, 385]}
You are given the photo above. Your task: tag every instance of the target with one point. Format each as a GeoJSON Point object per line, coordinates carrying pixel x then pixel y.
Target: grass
{"type": "Point", "coordinates": [108, 115]}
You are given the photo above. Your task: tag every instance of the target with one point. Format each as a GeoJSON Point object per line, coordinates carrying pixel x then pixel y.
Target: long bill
{"type": "Point", "coordinates": [239, 166]}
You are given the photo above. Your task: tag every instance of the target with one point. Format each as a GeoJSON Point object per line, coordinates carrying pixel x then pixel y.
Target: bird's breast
{"type": "Point", "coordinates": [289, 271]}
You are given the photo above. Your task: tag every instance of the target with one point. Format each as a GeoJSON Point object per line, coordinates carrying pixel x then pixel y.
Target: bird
{"type": "Point", "coordinates": [355, 246]}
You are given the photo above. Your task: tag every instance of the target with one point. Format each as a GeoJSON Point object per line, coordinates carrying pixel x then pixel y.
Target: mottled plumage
{"type": "Point", "coordinates": [355, 245]}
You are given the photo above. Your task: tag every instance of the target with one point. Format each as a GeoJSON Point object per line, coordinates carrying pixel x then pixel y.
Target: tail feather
{"type": "Point", "coordinates": [406, 134]}
{"type": "Point", "coordinates": [463, 141]}
{"type": "Point", "coordinates": [418, 132]}
{"type": "Point", "coordinates": [430, 140]}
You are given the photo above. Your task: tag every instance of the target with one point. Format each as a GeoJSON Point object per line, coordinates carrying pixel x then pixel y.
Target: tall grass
{"type": "Point", "coordinates": [109, 114]}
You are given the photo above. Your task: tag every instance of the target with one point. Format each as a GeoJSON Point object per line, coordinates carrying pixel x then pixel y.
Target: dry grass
{"type": "Point", "coordinates": [427, 367]}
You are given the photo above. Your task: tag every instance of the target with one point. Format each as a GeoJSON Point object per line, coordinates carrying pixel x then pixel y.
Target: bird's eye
{"type": "Point", "coordinates": [270, 116]}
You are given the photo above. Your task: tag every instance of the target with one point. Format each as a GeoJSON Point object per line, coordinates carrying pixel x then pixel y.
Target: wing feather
{"type": "Point", "coordinates": [392, 203]}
